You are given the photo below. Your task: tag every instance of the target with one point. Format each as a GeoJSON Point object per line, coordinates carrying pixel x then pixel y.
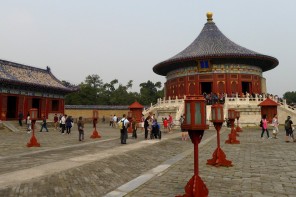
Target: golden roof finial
{"type": "Point", "coordinates": [210, 16]}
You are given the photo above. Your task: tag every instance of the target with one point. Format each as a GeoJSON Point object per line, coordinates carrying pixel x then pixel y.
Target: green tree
{"type": "Point", "coordinates": [121, 96]}
{"type": "Point", "coordinates": [149, 92]}
{"type": "Point", "coordinates": [290, 97]}
{"type": "Point", "coordinates": [94, 81]}
{"type": "Point", "coordinates": [94, 92]}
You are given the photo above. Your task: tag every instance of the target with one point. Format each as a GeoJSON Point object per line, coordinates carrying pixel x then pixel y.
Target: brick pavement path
{"type": "Point", "coordinates": [91, 168]}
{"type": "Point", "coordinates": [262, 168]}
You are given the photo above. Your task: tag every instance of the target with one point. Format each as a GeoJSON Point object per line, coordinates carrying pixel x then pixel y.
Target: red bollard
{"type": "Point", "coordinates": [219, 157]}
{"type": "Point", "coordinates": [195, 123]}
{"type": "Point", "coordinates": [33, 141]}
{"type": "Point", "coordinates": [195, 186]}
{"type": "Point", "coordinates": [95, 133]}
{"type": "Point", "coordinates": [238, 129]}
{"type": "Point", "coordinates": [232, 136]}
{"type": "Point", "coordinates": [237, 114]}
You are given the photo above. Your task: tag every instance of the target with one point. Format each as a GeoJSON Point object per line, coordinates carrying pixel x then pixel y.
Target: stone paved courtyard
{"type": "Point", "coordinates": [62, 166]}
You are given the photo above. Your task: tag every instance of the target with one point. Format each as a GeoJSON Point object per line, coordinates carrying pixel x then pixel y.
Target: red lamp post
{"type": "Point", "coordinates": [232, 136]}
{"type": "Point", "coordinates": [195, 123]}
{"type": "Point", "coordinates": [129, 118]}
{"type": "Point", "coordinates": [219, 157]}
{"type": "Point", "coordinates": [238, 129]}
{"type": "Point", "coordinates": [95, 133]}
{"type": "Point", "coordinates": [33, 117]}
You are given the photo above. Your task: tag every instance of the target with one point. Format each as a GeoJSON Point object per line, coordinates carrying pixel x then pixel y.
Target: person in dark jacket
{"type": "Point", "coordinates": [69, 122]}
{"type": "Point", "coordinates": [44, 124]}
{"type": "Point", "coordinates": [80, 125]}
{"type": "Point", "coordinates": [289, 129]}
{"type": "Point", "coordinates": [20, 118]}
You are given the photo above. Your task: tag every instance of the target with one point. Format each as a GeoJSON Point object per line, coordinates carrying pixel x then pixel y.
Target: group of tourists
{"type": "Point", "coordinates": [63, 123]}
{"type": "Point", "coordinates": [275, 124]}
{"type": "Point", "coordinates": [168, 124]}
{"type": "Point", "coordinates": [113, 121]}
{"type": "Point", "coordinates": [152, 127]}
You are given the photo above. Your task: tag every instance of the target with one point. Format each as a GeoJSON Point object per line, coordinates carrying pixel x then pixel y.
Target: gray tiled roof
{"type": "Point", "coordinates": [213, 44]}
{"type": "Point", "coordinates": [23, 75]}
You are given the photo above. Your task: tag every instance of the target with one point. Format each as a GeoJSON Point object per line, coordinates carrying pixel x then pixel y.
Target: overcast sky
{"type": "Point", "coordinates": [124, 39]}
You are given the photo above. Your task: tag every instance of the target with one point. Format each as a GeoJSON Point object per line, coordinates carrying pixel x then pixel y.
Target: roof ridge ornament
{"type": "Point", "coordinates": [210, 16]}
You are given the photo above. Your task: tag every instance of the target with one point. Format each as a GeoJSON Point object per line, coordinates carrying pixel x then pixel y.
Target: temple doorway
{"type": "Point", "coordinates": [36, 104]}
{"type": "Point", "coordinates": [246, 87]}
{"type": "Point", "coordinates": [205, 87]}
{"type": "Point", "coordinates": [11, 107]}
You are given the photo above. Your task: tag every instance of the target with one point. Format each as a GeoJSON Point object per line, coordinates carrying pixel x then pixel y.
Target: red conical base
{"type": "Point", "coordinates": [95, 134]}
{"type": "Point", "coordinates": [33, 142]}
{"type": "Point", "coordinates": [232, 138]}
{"type": "Point", "coordinates": [195, 188]}
{"type": "Point", "coordinates": [219, 159]}
{"type": "Point", "coordinates": [238, 129]}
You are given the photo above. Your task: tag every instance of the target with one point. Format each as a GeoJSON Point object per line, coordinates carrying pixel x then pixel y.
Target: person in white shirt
{"type": "Point", "coordinates": [63, 122]}
{"type": "Point", "coordinates": [29, 122]}
{"type": "Point", "coordinates": [123, 131]}
{"type": "Point", "coordinates": [114, 120]}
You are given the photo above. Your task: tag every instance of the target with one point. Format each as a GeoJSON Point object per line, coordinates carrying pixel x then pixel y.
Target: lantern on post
{"type": "Point", "coordinates": [219, 157]}
{"type": "Point", "coordinates": [238, 129]}
{"type": "Point", "coordinates": [195, 123]}
{"type": "Point", "coordinates": [129, 118]}
{"type": "Point", "coordinates": [95, 133]}
{"type": "Point", "coordinates": [232, 136]}
{"type": "Point", "coordinates": [33, 117]}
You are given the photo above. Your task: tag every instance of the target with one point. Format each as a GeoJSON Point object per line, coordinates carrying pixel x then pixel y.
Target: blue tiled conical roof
{"type": "Point", "coordinates": [214, 45]}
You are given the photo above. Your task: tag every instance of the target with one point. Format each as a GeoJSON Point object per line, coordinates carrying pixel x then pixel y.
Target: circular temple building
{"type": "Point", "coordinates": [214, 64]}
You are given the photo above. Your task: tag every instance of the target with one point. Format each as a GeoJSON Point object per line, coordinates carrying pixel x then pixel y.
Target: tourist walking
{"type": "Point", "coordinates": [63, 123]}
{"type": "Point", "coordinates": [123, 128]}
{"type": "Point", "coordinates": [165, 125]}
{"type": "Point", "coordinates": [20, 118]}
{"type": "Point", "coordinates": [114, 121]}
{"type": "Point", "coordinates": [29, 123]}
{"type": "Point", "coordinates": [170, 122]}
{"type": "Point", "coordinates": [289, 129]}
{"type": "Point", "coordinates": [80, 125]}
{"type": "Point", "coordinates": [68, 124]}
{"type": "Point", "coordinates": [264, 126]}
{"type": "Point", "coordinates": [134, 128]}
{"type": "Point", "coordinates": [275, 124]}
{"type": "Point", "coordinates": [44, 125]}
{"type": "Point", "coordinates": [146, 125]}
{"type": "Point", "coordinates": [183, 131]}
{"type": "Point", "coordinates": [111, 121]}
{"type": "Point", "coordinates": [55, 121]}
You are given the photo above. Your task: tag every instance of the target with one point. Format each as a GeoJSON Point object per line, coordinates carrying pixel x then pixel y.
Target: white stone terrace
{"type": "Point", "coordinates": [248, 106]}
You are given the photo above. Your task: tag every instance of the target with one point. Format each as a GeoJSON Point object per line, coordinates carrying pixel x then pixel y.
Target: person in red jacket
{"type": "Point", "coordinates": [165, 125]}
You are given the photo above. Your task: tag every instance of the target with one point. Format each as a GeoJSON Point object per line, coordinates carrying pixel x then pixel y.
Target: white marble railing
{"type": "Point", "coordinates": [163, 104]}
{"type": "Point", "coordinates": [230, 102]}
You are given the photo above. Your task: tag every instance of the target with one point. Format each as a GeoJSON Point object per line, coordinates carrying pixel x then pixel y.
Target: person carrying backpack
{"type": "Point", "coordinates": [289, 130]}
{"type": "Point", "coordinates": [123, 125]}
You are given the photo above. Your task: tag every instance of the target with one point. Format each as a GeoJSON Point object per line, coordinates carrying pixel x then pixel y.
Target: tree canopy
{"type": "Point", "coordinates": [290, 97]}
{"type": "Point", "coordinates": [93, 91]}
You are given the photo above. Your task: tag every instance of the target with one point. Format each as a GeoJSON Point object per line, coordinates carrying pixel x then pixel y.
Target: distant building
{"type": "Point", "coordinates": [213, 63]}
{"type": "Point", "coordinates": [24, 87]}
